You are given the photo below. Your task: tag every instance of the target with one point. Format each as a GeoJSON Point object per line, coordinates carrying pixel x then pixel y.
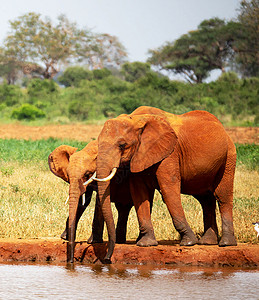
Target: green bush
{"type": "Point", "coordinates": [27, 112]}
{"type": "Point", "coordinates": [10, 94]}
{"type": "Point", "coordinates": [42, 89]}
{"type": "Point", "coordinates": [98, 94]}
{"type": "Point", "coordinates": [101, 73]}
{"type": "Point", "coordinates": [134, 71]}
{"type": "Point", "coordinates": [74, 75]}
{"type": "Point", "coordinates": [79, 110]}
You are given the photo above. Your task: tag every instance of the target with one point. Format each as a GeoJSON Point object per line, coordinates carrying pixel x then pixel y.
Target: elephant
{"type": "Point", "coordinates": [76, 167]}
{"type": "Point", "coordinates": [181, 154]}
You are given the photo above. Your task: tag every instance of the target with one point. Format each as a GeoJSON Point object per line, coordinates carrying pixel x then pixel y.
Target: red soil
{"type": "Point", "coordinates": [166, 253]}
{"type": "Point", "coordinates": [80, 132]}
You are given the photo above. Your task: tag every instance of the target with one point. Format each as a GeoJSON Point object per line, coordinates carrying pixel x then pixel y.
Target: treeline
{"type": "Point", "coordinates": [38, 47]}
{"type": "Point", "coordinates": [99, 94]}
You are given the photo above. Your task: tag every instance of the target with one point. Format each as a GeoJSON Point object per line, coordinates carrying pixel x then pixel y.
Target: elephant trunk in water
{"type": "Point", "coordinates": [74, 196]}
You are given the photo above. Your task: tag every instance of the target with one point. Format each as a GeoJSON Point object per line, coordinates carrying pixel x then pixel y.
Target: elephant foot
{"type": "Point", "coordinates": [209, 238]}
{"type": "Point", "coordinates": [146, 241]}
{"type": "Point", "coordinates": [189, 240]}
{"type": "Point", "coordinates": [227, 239]}
{"type": "Point", "coordinates": [120, 241]}
{"type": "Point", "coordinates": [94, 240]}
{"type": "Point", "coordinates": [64, 235]}
{"type": "Point", "coordinates": [120, 236]}
{"type": "Point", "coordinates": [106, 261]}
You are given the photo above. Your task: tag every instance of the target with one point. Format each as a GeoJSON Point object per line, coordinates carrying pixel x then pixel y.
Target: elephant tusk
{"type": "Point", "coordinates": [108, 177]}
{"type": "Point", "coordinates": [90, 179]}
{"type": "Point", "coordinates": [83, 200]}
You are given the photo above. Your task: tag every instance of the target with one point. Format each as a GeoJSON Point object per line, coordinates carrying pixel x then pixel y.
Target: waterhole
{"type": "Point", "coordinates": [20, 281]}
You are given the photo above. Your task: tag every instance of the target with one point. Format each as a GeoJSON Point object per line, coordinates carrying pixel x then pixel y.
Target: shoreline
{"type": "Point", "coordinates": [167, 253]}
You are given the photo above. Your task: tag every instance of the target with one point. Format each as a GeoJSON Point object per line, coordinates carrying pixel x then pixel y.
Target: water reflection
{"type": "Point", "coordinates": [125, 282]}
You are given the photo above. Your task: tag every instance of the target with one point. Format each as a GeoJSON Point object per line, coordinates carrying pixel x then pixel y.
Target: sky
{"type": "Point", "coordinates": [140, 25]}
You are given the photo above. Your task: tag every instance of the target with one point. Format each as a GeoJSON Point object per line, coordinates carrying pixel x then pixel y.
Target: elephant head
{"type": "Point", "coordinates": [75, 168]}
{"type": "Point", "coordinates": [140, 140]}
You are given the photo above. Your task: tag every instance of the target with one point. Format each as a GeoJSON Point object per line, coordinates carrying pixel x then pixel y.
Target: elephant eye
{"type": "Point", "coordinates": [87, 175]}
{"type": "Point", "coordinates": [122, 146]}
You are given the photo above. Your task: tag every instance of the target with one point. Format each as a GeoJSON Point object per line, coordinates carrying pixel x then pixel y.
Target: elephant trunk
{"type": "Point", "coordinates": [105, 201]}
{"type": "Point", "coordinates": [74, 196]}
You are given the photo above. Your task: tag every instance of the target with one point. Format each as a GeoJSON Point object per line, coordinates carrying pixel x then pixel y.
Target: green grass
{"type": "Point", "coordinates": [39, 150]}
{"type": "Point", "coordinates": [32, 151]}
{"type": "Point", "coordinates": [248, 155]}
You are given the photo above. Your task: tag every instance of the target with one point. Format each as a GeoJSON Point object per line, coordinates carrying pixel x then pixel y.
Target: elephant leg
{"type": "Point", "coordinates": [80, 211]}
{"type": "Point", "coordinates": [168, 176]}
{"type": "Point", "coordinates": [121, 228]}
{"type": "Point", "coordinates": [210, 235]}
{"type": "Point", "coordinates": [98, 224]}
{"type": "Point", "coordinates": [224, 195]}
{"type": "Point", "coordinates": [141, 196]}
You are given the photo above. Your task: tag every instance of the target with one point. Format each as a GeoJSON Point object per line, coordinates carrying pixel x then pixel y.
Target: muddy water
{"type": "Point", "coordinates": [125, 282]}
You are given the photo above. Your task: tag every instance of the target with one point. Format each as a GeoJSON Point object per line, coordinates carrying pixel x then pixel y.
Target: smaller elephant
{"type": "Point", "coordinates": [76, 167]}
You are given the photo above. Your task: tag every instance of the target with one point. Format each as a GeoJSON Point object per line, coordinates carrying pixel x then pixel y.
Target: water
{"type": "Point", "coordinates": [18, 281]}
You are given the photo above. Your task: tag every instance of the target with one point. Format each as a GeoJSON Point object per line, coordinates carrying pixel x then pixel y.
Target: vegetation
{"type": "Point", "coordinates": [248, 156]}
{"type": "Point", "coordinates": [36, 198]}
{"type": "Point", "coordinates": [39, 47]}
{"type": "Point", "coordinates": [247, 47]}
{"type": "Point", "coordinates": [198, 52]}
{"type": "Point", "coordinates": [215, 45]}
{"type": "Point", "coordinates": [97, 83]}
{"type": "Point", "coordinates": [98, 94]}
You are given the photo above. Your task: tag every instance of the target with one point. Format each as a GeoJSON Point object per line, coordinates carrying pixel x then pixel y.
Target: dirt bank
{"type": "Point", "coordinates": [166, 253]}
{"type": "Point", "coordinates": [86, 133]}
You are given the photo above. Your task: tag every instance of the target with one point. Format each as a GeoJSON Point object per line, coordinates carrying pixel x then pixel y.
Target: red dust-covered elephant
{"type": "Point", "coordinates": [76, 167]}
{"type": "Point", "coordinates": [189, 153]}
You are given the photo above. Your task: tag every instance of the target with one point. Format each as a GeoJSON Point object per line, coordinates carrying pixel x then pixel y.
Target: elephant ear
{"type": "Point", "coordinates": [157, 141]}
{"type": "Point", "coordinates": [59, 159]}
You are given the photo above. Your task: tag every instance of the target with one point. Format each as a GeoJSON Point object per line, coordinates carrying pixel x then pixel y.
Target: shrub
{"type": "Point", "coordinates": [229, 78]}
{"type": "Point", "coordinates": [134, 71]}
{"type": "Point", "coordinates": [79, 109]}
{"type": "Point", "coordinates": [101, 73]}
{"type": "Point", "coordinates": [41, 89]}
{"type": "Point", "coordinates": [27, 112]}
{"type": "Point", "coordinates": [10, 94]}
{"type": "Point", "coordinates": [74, 75]}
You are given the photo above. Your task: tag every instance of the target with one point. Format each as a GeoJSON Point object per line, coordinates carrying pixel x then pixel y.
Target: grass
{"type": "Point", "coordinates": [32, 199]}
{"type": "Point", "coordinates": [248, 155]}
{"type": "Point", "coordinates": [32, 151]}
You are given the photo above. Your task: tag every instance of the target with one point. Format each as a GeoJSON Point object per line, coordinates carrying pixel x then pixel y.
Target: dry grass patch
{"type": "Point", "coordinates": [32, 205]}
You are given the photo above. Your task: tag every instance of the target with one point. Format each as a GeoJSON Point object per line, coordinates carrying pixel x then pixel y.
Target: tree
{"type": "Point", "coordinates": [134, 71]}
{"type": "Point", "coordinates": [9, 69]}
{"type": "Point", "coordinates": [101, 51]}
{"type": "Point", "coordinates": [198, 52]}
{"type": "Point", "coordinates": [247, 46]}
{"type": "Point", "coordinates": [41, 42]}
